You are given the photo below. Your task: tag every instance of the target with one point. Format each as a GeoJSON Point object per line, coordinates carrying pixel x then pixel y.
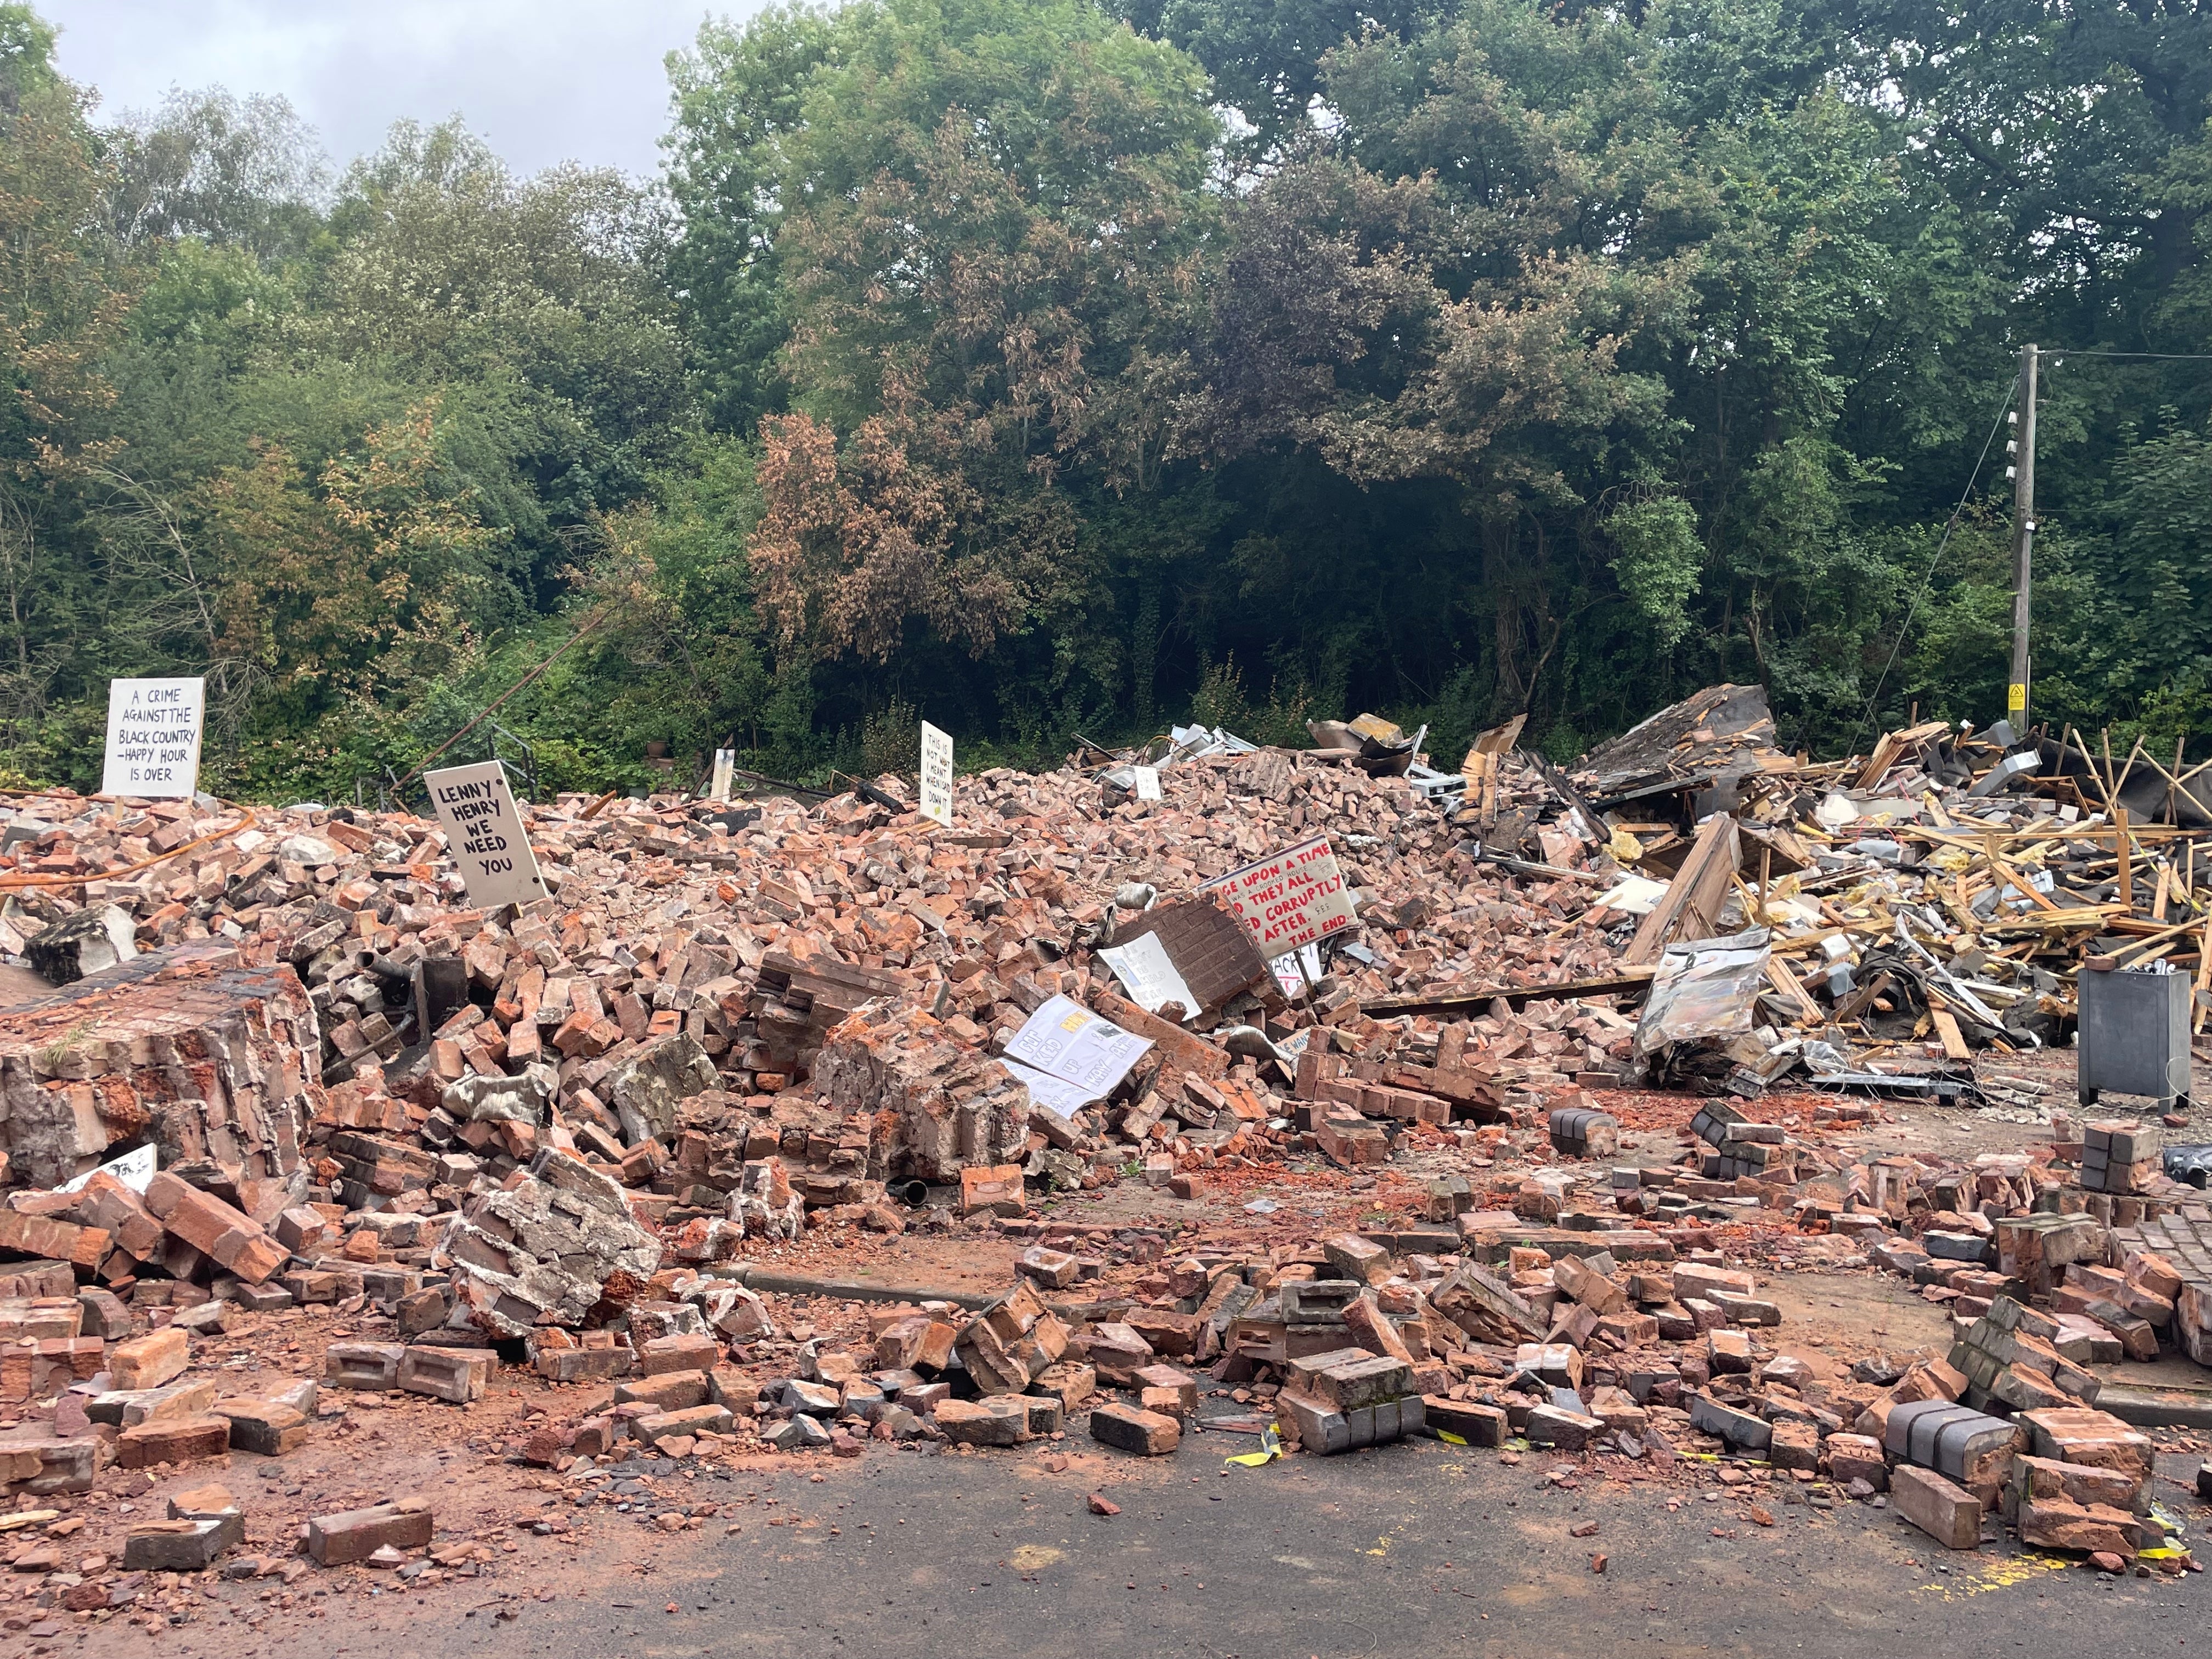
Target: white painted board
{"type": "Point", "coordinates": [1067, 1040]}
{"type": "Point", "coordinates": [1055, 1094]}
{"type": "Point", "coordinates": [154, 738]}
{"type": "Point", "coordinates": [134, 1169]}
{"type": "Point", "coordinates": [484, 832]}
{"type": "Point", "coordinates": [1297, 971]}
{"type": "Point", "coordinates": [936, 774]}
{"type": "Point", "coordinates": [1294, 897]}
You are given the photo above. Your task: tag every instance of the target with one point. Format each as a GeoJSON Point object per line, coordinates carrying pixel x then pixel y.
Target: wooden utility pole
{"type": "Point", "coordinates": [2023, 538]}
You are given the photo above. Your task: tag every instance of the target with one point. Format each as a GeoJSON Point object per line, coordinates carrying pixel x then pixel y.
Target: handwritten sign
{"type": "Point", "coordinates": [154, 738]}
{"type": "Point", "coordinates": [1148, 782]}
{"type": "Point", "coordinates": [484, 831]}
{"type": "Point", "coordinates": [936, 774]}
{"type": "Point", "coordinates": [1292, 898]}
{"type": "Point", "coordinates": [1297, 971]}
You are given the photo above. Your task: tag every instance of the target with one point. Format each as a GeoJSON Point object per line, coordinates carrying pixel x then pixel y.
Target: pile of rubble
{"type": "Point", "coordinates": [1940, 898]}
{"type": "Point", "coordinates": [293, 1068]}
{"type": "Point", "coordinates": [709, 990]}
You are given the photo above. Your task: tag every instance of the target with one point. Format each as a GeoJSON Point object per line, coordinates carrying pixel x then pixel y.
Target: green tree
{"type": "Point", "coordinates": [246, 172]}
{"type": "Point", "coordinates": [740, 96]}
{"type": "Point", "coordinates": [994, 247]}
{"type": "Point", "coordinates": [63, 297]}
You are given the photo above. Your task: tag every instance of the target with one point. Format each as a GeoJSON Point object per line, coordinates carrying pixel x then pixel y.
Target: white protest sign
{"type": "Point", "coordinates": [1297, 971]}
{"type": "Point", "coordinates": [1066, 1040]}
{"type": "Point", "coordinates": [725, 762]}
{"type": "Point", "coordinates": [484, 832]}
{"type": "Point", "coordinates": [1292, 898]}
{"type": "Point", "coordinates": [154, 738]}
{"type": "Point", "coordinates": [1149, 973]}
{"type": "Point", "coordinates": [936, 774]}
{"type": "Point", "coordinates": [1148, 782]}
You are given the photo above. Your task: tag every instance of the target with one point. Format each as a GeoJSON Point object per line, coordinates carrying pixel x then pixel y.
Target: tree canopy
{"type": "Point", "coordinates": [1046, 367]}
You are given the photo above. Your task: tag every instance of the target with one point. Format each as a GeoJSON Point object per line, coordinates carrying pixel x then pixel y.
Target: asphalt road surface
{"type": "Point", "coordinates": [1420, 1548]}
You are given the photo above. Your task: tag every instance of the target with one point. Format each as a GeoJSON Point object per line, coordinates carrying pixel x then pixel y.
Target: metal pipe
{"type": "Point", "coordinates": [849, 1290]}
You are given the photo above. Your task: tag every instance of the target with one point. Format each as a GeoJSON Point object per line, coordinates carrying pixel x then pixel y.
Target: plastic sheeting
{"type": "Point", "coordinates": [1703, 989]}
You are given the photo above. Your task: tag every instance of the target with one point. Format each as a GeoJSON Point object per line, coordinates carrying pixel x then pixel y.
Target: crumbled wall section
{"type": "Point", "coordinates": [953, 1108]}
{"type": "Point", "coordinates": [208, 1057]}
{"type": "Point", "coordinates": [545, 1251]}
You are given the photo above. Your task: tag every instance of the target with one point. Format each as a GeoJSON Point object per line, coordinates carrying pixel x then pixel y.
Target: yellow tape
{"type": "Point", "coordinates": [1716, 1457]}
{"type": "Point", "coordinates": [1271, 1448]}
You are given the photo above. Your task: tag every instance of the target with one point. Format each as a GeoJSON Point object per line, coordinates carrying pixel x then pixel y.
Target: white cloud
{"type": "Point", "coordinates": [543, 80]}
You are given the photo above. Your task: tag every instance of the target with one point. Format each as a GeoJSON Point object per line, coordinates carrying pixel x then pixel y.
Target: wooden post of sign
{"type": "Point", "coordinates": [2203, 977]}
{"type": "Point", "coordinates": [2126, 896]}
{"type": "Point", "coordinates": [2067, 745]}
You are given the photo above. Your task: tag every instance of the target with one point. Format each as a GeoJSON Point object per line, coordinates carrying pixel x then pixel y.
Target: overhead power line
{"type": "Point", "coordinates": [2152, 356]}
{"type": "Point", "coordinates": [2056, 356]}
{"type": "Point", "coordinates": [1928, 578]}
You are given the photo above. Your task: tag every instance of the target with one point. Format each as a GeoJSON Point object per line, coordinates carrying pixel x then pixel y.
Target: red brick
{"type": "Point", "coordinates": [694, 1419]}
{"type": "Point", "coordinates": [1950, 1515]}
{"type": "Point", "coordinates": [1127, 1428]}
{"type": "Point", "coordinates": [173, 1440]}
{"type": "Point", "coordinates": [355, 1534]}
{"type": "Point", "coordinates": [148, 1361]}
{"type": "Point", "coordinates": [61, 1240]}
{"type": "Point", "coordinates": [995, 1189]}
{"type": "Point", "coordinates": [215, 1228]}
{"type": "Point", "coordinates": [268, 1427]}
{"type": "Point", "coordinates": [1475, 1425]}
{"type": "Point", "coordinates": [662, 1354]}
{"type": "Point", "coordinates": [456, 1375]}
{"type": "Point", "coordinates": [2054, 1523]}
{"type": "Point", "coordinates": [669, 1391]}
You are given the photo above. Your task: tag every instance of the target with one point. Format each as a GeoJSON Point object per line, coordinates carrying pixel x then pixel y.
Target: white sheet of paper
{"type": "Point", "coordinates": [1054, 1094]}
{"type": "Point", "coordinates": [725, 761]}
{"type": "Point", "coordinates": [1074, 1045]}
{"type": "Point", "coordinates": [134, 1169]}
{"type": "Point", "coordinates": [1148, 973]}
{"type": "Point", "coordinates": [1148, 782]}
{"type": "Point", "coordinates": [1632, 896]}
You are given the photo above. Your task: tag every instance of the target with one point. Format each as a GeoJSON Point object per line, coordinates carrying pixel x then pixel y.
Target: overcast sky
{"type": "Point", "coordinates": [543, 80]}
